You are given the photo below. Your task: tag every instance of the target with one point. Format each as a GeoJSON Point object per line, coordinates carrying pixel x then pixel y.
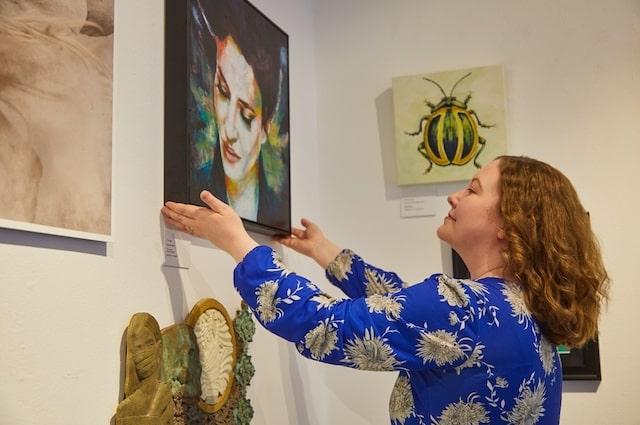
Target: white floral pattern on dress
{"type": "Point", "coordinates": [474, 358]}
{"type": "Point", "coordinates": [529, 407]}
{"type": "Point", "coordinates": [401, 405]}
{"type": "Point", "coordinates": [279, 265]}
{"type": "Point", "coordinates": [377, 284]}
{"type": "Point", "coordinates": [547, 353]}
{"type": "Point", "coordinates": [370, 352]}
{"type": "Point", "coordinates": [340, 267]}
{"type": "Point", "coordinates": [452, 291]}
{"type": "Point", "coordinates": [387, 304]}
{"type": "Point", "coordinates": [470, 412]}
{"type": "Point", "coordinates": [502, 382]}
{"type": "Point", "coordinates": [266, 295]}
{"type": "Point", "coordinates": [440, 347]}
{"type": "Point", "coordinates": [515, 297]}
{"type": "Point", "coordinates": [478, 288]}
{"type": "Point", "coordinates": [324, 300]}
{"type": "Point", "coordinates": [321, 340]}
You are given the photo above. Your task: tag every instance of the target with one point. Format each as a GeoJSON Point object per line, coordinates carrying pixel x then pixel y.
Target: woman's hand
{"type": "Point", "coordinates": [219, 224]}
{"type": "Point", "coordinates": [311, 242]}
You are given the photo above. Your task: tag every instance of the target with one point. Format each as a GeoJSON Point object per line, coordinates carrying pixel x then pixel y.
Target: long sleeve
{"type": "Point", "coordinates": [349, 272]}
{"type": "Point", "coordinates": [405, 329]}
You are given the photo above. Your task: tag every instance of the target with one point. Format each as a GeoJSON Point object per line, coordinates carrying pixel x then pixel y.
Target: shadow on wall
{"type": "Point", "coordinates": [580, 386]}
{"type": "Point", "coordinates": [179, 306]}
{"type": "Point", "coordinates": [62, 243]}
{"type": "Point", "coordinates": [298, 413]}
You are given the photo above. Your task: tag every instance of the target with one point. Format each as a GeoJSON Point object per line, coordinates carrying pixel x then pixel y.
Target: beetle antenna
{"type": "Point", "coordinates": [439, 86]}
{"type": "Point", "coordinates": [457, 82]}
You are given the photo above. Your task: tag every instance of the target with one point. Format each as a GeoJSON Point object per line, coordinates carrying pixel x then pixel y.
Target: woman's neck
{"type": "Point", "coordinates": [489, 264]}
{"type": "Point", "coordinates": [243, 194]}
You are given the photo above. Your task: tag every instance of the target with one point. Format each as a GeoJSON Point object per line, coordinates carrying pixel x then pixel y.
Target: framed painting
{"type": "Point", "coordinates": [227, 110]}
{"type": "Point", "coordinates": [56, 78]}
{"type": "Point", "coordinates": [578, 364]}
{"type": "Point", "coordinates": [448, 124]}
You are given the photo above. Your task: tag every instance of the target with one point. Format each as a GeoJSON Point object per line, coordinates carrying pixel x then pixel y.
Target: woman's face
{"type": "Point", "coordinates": [474, 219]}
{"type": "Point", "coordinates": [238, 106]}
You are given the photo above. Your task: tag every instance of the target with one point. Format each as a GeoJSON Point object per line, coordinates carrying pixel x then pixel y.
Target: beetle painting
{"type": "Point", "coordinates": [457, 133]}
{"type": "Point", "coordinates": [450, 133]}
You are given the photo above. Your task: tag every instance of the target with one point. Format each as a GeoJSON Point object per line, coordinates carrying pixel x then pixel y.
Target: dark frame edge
{"type": "Point", "coordinates": [176, 178]}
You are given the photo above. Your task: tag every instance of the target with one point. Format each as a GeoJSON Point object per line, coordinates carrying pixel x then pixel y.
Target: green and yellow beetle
{"type": "Point", "coordinates": [450, 132]}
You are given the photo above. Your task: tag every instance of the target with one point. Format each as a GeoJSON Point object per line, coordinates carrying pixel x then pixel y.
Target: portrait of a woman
{"type": "Point", "coordinates": [239, 127]}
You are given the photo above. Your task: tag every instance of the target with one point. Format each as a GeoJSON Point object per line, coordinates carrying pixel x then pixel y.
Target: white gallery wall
{"type": "Point", "coordinates": [572, 72]}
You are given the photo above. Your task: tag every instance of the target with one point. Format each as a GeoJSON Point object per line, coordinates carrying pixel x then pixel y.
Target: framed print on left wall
{"type": "Point", "coordinates": [56, 78]}
{"type": "Point", "coordinates": [227, 110]}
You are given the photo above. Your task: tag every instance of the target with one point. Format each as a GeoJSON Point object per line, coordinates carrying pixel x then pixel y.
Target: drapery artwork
{"type": "Point", "coordinates": [236, 123]}
{"type": "Point", "coordinates": [448, 124]}
{"type": "Point", "coordinates": [56, 60]}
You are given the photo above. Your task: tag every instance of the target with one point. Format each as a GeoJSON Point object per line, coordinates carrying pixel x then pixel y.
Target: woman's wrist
{"type": "Point", "coordinates": [242, 247]}
{"type": "Point", "coordinates": [326, 253]}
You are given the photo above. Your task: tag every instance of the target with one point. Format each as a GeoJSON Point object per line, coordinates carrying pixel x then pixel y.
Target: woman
{"type": "Point", "coordinates": [478, 351]}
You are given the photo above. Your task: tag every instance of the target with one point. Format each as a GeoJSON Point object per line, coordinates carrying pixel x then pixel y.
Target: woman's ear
{"type": "Point", "coordinates": [501, 234]}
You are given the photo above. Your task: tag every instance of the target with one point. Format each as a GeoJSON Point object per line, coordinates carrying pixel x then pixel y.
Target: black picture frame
{"type": "Point", "coordinates": [579, 364]}
{"type": "Point", "coordinates": [179, 184]}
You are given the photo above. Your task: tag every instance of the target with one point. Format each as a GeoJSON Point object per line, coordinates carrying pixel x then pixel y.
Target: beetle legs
{"type": "Point", "coordinates": [480, 123]}
{"type": "Point", "coordinates": [422, 120]}
{"type": "Point", "coordinates": [481, 142]}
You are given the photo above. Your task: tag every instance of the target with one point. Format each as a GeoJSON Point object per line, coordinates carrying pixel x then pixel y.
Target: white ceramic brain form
{"type": "Point", "coordinates": [216, 354]}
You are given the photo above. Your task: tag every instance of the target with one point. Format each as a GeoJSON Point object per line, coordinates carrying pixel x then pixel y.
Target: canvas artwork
{"type": "Point", "coordinates": [227, 110]}
{"type": "Point", "coordinates": [56, 61]}
{"type": "Point", "coordinates": [448, 124]}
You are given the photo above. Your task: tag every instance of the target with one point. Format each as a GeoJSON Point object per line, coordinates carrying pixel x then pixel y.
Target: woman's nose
{"type": "Point", "coordinates": [452, 199]}
{"type": "Point", "coordinates": [230, 124]}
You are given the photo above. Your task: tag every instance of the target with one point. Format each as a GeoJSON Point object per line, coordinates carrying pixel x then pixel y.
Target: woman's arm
{"type": "Point", "coordinates": [343, 267]}
{"type": "Point", "coordinates": [404, 329]}
{"type": "Point", "coordinates": [409, 329]}
{"type": "Point", "coordinates": [349, 272]}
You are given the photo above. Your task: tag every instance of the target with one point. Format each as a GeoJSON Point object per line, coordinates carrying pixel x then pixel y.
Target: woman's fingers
{"type": "Point", "coordinates": [177, 220]}
{"type": "Point", "coordinates": [174, 223]}
{"type": "Point", "coordinates": [297, 232]}
{"type": "Point", "coordinates": [183, 209]}
{"type": "Point", "coordinates": [214, 203]}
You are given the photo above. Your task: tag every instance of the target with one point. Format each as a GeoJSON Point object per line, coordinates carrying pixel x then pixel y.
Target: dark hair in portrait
{"type": "Point", "coordinates": [238, 117]}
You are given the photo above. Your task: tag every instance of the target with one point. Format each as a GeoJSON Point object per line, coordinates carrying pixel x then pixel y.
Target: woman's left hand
{"type": "Point", "coordinates": [219, 224]}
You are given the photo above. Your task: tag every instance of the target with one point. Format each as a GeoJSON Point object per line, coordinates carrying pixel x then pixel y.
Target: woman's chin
{"type": "Point", "coordinates": [442, 233]}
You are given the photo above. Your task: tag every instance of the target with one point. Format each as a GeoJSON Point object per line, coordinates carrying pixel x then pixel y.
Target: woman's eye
{"type": "Point", "coordinates": [247, 115]}
{"type": "Point", "coordinates": [224, 92]}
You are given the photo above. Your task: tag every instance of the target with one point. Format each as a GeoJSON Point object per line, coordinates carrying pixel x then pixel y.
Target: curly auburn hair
{"type": "Point", "coordinates": [551, 250]}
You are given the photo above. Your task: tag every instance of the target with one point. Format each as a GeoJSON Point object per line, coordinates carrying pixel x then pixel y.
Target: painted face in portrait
{"type": "Point", "coordinates": [238, 106]}
{"type": "Point", "coordinates": [474, 219]}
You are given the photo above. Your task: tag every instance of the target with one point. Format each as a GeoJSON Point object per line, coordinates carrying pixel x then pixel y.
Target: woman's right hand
{"type": "Point", "coordinates": [310, 241]}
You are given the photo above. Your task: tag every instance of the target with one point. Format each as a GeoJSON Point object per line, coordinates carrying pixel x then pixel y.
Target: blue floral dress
{"type": "Point", "coordinates": [469, 352]}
